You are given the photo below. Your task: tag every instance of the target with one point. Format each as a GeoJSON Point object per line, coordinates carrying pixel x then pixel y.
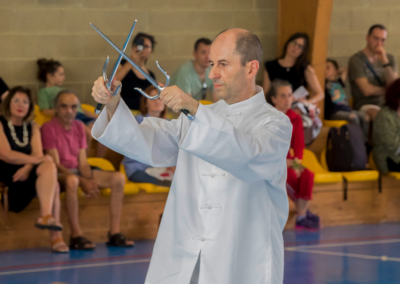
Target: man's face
{"type": "Point", "coordinates": [67, 108]}
{"type": "Point", "coordinates": [376, 39]}
{"type": "Point", "coordinates": [227, 72]}
{"type": "Point", "coordinates": [202, 55]}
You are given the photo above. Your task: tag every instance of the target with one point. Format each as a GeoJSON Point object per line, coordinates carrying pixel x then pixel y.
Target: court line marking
{"type": "Point", "coordinates": [74, 266]}
{"type": "Point", "coordinates": [343, 244]}
{"type": "Point", "coordinates": [354, 255]}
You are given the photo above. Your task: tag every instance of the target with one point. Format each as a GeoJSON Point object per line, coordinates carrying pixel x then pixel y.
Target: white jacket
{"type": "Point", "coordinates": [228, 199]}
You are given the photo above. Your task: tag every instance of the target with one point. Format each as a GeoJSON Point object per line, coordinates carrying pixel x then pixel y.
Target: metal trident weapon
{"type": "Point", "coordinates": [109, 82]}
{"type": "Point", "coordinates": [147, 76]}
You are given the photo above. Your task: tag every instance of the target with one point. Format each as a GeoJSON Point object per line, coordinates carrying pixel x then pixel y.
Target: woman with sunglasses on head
{"type": "Point", "coordinates": [294, 67]}
{"type": "Point", "coordinates": [142, 48]}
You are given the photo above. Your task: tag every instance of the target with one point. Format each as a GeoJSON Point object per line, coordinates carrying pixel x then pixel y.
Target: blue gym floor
{"type": "Point", "coordinates": [346, 255]}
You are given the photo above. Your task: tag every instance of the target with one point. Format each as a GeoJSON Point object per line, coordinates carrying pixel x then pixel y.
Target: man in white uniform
{"type": "Point", "coordinates": [227, 206]}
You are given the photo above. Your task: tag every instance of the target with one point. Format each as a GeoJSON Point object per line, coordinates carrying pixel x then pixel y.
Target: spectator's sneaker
{"type": "Point", "coordinates": [307, 224]}
{"type": "Point", "coordinates": [312, 217]}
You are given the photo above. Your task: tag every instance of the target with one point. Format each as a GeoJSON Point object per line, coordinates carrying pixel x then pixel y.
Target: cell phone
{"type": "Point", "coordinates": [139, 42]}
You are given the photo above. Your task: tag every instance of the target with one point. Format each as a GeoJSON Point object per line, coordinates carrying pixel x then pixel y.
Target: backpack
{"type": "Point", "coordinates": [345, 149]}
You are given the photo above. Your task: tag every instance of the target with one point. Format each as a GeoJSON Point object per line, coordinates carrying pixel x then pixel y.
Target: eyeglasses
{"type": "Point", "coordinates": [297, 45]}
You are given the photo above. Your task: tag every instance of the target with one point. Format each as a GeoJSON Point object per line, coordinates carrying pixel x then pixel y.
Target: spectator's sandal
{"type": "Point", "coordinates": [59, 246]}
{"type": "Point", "coordinates": [80, 243]}
{"type": "Point", "coordinates": [119, 240]}
{"type": "Point", "coordinates": [48, 222]}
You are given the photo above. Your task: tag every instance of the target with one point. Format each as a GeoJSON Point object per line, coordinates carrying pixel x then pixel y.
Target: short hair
{"type": "Point", "coordinates": [393, 95]}
{"type": "Point", "coordinates": [64, 92]}
{"type": "Point", "coordinates": [143, 109]}
{"type": "Point", "coordinates": [5, 105]}
{"type": "Point", "coordinates": [202, 40]}
{"type": "Point", "coordinates": [376, 26]}
{"type": "Point", "coordinates": [249, 47]}
{"type": "Point", "coordinates": [46, 66]}
{"type": "Point", "coordinates": [334, 63]}
{"type": "Point", "coordinates": [273, 91]}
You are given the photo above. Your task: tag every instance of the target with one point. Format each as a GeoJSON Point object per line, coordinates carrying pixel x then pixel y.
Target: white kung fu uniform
{"type": "Point", "coordinates": [227, 201]}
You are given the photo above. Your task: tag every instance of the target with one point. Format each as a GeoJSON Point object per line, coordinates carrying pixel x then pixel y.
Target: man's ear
{"type": "Point", "coordinates": [252, 68]}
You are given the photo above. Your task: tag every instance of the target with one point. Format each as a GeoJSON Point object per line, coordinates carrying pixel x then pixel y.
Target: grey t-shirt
{"type": "Point", "coordinates": [358, 69]}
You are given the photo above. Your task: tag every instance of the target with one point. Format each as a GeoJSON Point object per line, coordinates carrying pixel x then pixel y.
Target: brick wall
{"type": "Point", "coordinates": [351, 20]}
{"type": "Point", "coordinates": [60, 29]}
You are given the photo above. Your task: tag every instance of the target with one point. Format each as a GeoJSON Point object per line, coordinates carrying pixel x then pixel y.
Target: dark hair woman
{"type": "Point", "coordinates": [24, 169]}
{"type": "Point", "coordinates": [137, 171]}
{"type": "Point", "coordinates": [386, 132]}
{"type": "Point", "coordinates": [142, 48]}
{"type": "Point", "coordinates": [294, 67]}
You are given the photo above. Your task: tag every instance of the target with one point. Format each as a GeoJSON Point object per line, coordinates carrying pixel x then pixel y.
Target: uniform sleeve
{"type": "Point", "coordinates": [48, 140]}
{"type": "Point", "coordinates": [356, 68]}
{"type": "Point", "coordinates": [259, 156]}
{"type": "Point", "coordinates": [43, 101]}
{"type": "Point", "coordinates": [298, 139]}
{"type": "Point", "coordinates": [154, 142]}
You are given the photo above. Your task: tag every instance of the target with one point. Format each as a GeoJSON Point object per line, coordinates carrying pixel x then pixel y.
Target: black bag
{"type": "Point", "coordinates": [345, 149]}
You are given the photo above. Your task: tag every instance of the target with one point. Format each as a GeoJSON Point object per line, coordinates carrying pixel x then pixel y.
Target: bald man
{"type": "Point", "coordinates": [227, 205]}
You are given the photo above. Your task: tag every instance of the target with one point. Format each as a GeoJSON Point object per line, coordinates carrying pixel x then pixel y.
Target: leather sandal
{"type": "Point", "coordinates": [48, 222]}
{"type": "Point", "coordinates": [79, 243]}
{"type": "Point", "coordinates": [119, 240]}
{"type": "Point", "coordinates": [57, 244]}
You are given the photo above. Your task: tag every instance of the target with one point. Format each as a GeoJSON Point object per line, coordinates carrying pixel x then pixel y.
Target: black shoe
{"type": "Point", "coordinates": [119, 240]}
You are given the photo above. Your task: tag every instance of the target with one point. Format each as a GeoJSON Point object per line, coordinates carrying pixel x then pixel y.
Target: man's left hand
{"type": "Point", "coordinates": [176, 99]}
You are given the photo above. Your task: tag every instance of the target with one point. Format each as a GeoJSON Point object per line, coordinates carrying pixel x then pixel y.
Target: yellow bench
{"type": "Point", "coordinates": [373, 166]}
{"type": "Point", "coordinates": [204, 102]}
{"type": "Point", "coordinates": [40, 118]}
{"type": "Point", "coordinates": [321, 175]}
{"type": "Point", "coordinates": [88, 108]}
{"type": "Point", "coordinates": [148, 187]}
{"type": "Point", "coordinates": [334, 123]}
{"type": "Point", "coordinates": [366, 175]}
{"type": "Point", "coordinates": [105, 165]}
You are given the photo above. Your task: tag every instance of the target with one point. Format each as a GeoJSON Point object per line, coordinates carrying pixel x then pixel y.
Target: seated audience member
{"type": "Point", "coordinates": [371, 70]}
{"type": "Point", "coordinates": [137, 171]}
{"type": "Point", "coordinates": [3, 90]}
{"type": "Point", "coordinates": [64, 139]}
{"type": "Point", "coordinates": [24, 169]}
{"type": "Point", "coordinates": [142, 47]}
{"type": "Point", "coordinates": [192, 77]}
{"type": "Point", "coordinates": [300, 181]}
{"type": "Point", "coordinates": [386, 132]}
{"type": "Point", "coordinates": [294, 67]}
{"type": "Point", "coordinates": [336, 104]}
{"type": "Point", "coordinates": [51, 72]}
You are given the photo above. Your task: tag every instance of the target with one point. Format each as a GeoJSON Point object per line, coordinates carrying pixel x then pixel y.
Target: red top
{"type": "Point", "coordinates": [297, 142]}
{"type": "Point", "coordinates": [67, 142]}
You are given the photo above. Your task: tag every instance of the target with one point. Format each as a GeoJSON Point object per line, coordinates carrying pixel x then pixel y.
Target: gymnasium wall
{"type": "Point", "coordinates": [60, 29]}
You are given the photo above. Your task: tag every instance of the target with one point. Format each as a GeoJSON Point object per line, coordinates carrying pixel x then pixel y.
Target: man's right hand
{"type": "Point", "coordinates": [89, 187]}
{"type": "Point", "coordinates": [104, 96]}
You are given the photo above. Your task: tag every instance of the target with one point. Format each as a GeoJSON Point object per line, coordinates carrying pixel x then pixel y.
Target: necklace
{"type": "Point", "coordinates": [287, 69]}
{"type": "Point", "coordinates": [14, 135]}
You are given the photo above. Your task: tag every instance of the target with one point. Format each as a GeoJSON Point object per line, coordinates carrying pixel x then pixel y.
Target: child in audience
{"type": "Point", "coordinates": [137, 171]}
{"type": "Point", "coordinates": [300, 181]}
{"type": "Point", "coordinates": [336, 104]}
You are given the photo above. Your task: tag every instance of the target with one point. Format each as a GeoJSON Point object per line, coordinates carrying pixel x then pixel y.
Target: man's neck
{"type": "Point", "coordinates": [242, 95]}
{"type": "Point", "coordinates": [200, 70]}
{"type": "Point", "coordinates": [66, 126]}
{"type": "Point", "coordinates": [154, 113]}
{"type": "Point", "coordinates": [16, 121]}
{"type": "Point", "coordinates": [369, 53]}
